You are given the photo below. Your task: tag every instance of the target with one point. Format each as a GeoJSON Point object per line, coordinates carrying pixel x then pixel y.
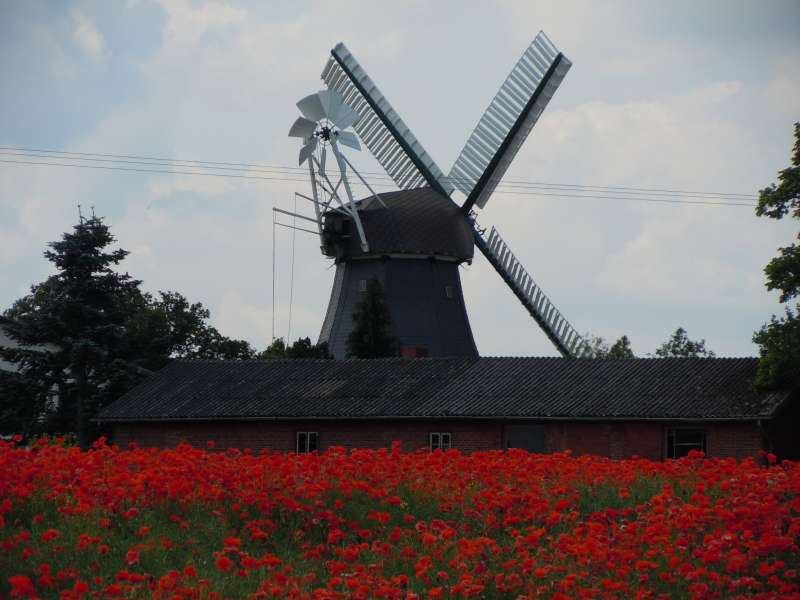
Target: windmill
{"type": "Point", "coordinates": [414, 239]}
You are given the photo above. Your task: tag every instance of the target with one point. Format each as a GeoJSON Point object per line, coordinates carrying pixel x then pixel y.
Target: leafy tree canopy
{"type": "Point", "coordinates": [680, 346]}
{"type": "Point", "coordinates": [599, 348]}
{"type": "Point", "coordinates": [302, 348]}
{"type": "Point", "coordinates": [371, 337]}
{"type": "Point", "coordinates": [779, 340]}
{"type": "Point", "coordinates": [621, 348]}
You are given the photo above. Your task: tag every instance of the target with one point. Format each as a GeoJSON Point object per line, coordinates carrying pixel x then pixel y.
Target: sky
{"type": "Point", "coordinates": [695, 96]}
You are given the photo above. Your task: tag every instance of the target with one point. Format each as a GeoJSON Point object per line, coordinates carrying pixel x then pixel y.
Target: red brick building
{"type": "Point", "coordinates": [653, 408]}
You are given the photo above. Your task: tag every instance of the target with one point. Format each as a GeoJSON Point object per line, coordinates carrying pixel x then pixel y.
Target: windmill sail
{"type": "Point", "coordinates": [380, 128]}
{"type": "Point", "coordinates": [563, 335]}
{"type": "Point", "coordinates": [509, 119]}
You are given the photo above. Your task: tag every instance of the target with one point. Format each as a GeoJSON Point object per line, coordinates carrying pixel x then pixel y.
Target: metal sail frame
{"type": "Point", "coordinates": [483, 161]}
{"type": "Point", "coordinates": [508, 120]}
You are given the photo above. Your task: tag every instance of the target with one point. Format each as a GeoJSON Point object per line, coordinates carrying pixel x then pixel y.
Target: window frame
{"type": "Point", "coordinates": [362, 286]}
{"type": "Point", "coordinates": [307, 442]}
{"type": "Point", "coordinates": [671, 444]}
{"type": "Point", "coordinates": [440, 438]}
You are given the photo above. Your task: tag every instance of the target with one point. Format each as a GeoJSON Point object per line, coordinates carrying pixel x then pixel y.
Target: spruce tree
{"type": "Point", "coordinates": [371, 337]}
{"type": "Point", "coordinates": [72, 328]}
{"type": "Point", "coordinates": [87, 334]}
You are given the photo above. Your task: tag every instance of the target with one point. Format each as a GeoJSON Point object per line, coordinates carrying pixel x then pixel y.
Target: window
{"type": "Point", "coordinates": [307, 441]}
{"type": "Point", "coordinates": [681, 441]}
{"type": "Point", "coordinates": [440, 441]}
{"type": "Point", "coordinates": [448, 291]}
{"type": "Point", "coordinates": [362, 285]}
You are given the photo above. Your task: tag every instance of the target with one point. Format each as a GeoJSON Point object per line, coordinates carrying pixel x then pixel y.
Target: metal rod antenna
{"type": "Point", "coordinates": [273, 277]}
{"type": "Point", "coordinates": [294, 215]}
{"type": "Point", "coordinates": [332, 190]}
{"type": "Point", "coordinates": [371, 191]}
{"type": "Point", "coordinates": [311, 231]}
{"type": "Point", "coordinates": [304, 197]}
{"type": "Point", "coordinates": [316, 198]}
{"type": "Point", "coordinates": [353, 209]}
{"type": "Point", "coordinates": [291, 274]}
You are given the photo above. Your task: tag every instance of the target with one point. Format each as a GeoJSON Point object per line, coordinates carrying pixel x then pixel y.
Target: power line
{"type": "Point", "coordinates": [578, 193]}
{"type": "Point", "coordinates": [284, 169]}
{"type": "Point", "coordinates": [585, 196]}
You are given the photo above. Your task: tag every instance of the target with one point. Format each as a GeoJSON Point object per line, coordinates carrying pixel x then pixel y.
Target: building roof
{"type": "Point", "coordinates": [419, 221]}
{"type": "Point", "coordinates": [536, 388]}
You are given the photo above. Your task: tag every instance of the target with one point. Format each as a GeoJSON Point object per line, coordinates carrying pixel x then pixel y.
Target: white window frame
{"type": "Point", "coordinates": [671, 433]}
{"type": "Point", "coordinates": [440, 440]}
{"type": "Point", "coordinates": [362, 285]}
{"type": "Point", "coordinates": [306, 446]}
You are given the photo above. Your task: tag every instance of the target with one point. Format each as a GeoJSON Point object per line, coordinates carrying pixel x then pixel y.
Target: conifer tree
{"type": "Point", "coordinates": [87, 334]}
{"type": "Point", "coordinates": [72, 328]}
{"type": "Point", "coordinates": [371, 337]}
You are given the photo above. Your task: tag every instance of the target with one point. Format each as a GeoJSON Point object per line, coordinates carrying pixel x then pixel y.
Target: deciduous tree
{"type": "Point", "coordinates": [779, 340]}
{"type": "Point", "coordinates": [680, 346]}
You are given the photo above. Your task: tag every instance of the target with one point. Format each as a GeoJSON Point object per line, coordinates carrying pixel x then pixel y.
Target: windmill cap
{"type": "Point", "coordinates": [416, 222]}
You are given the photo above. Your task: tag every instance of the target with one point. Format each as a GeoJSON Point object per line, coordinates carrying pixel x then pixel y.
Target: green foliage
{"type": "Point", "coordinates": [779, 340]}
{"type": "Point", "coordinates": [621, 348]}
{"type": "Point", "coordinates": [302, 348]}
{"type": "Point", "coordinates": [596, 346]}
{"type": "Point", "coordinates": [778, 201]}
{"type": "Point", "coordinates": [21, 404]}
{"type": "Point", "coordinates": [680, 346]}
{"type": "Point", "coordinates": [76, 316]}
{"type": "Point", "coordinates": [599, 348]}
{"type": "Point", "coordinates": [370, 337]}
{"type": "Point", "coordinates": [88, 334]}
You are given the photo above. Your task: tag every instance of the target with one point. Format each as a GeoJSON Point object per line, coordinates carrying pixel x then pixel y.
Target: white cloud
{"type": "Point", "coordinates": [186, 25]}
{"type": "Point", "coordinates": [88, 37]}
{"type": "Point", "coordinates": [223, 84]}
{"type": "Point", "coordinates": [782, 92]}
{"type": "Point", "coordinates": [204, 186]}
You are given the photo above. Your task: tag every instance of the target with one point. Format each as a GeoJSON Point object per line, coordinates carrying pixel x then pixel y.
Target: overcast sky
{"type": "Point", "coordinates": [679, 95]}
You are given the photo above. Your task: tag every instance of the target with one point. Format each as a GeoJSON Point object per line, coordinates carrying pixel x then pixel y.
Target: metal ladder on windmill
{"type": "Point", "coordinates": [563, 335]}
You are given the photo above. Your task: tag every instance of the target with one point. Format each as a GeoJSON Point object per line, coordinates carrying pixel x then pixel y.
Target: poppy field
{"type": "Point", "coordinates": [205, 523]}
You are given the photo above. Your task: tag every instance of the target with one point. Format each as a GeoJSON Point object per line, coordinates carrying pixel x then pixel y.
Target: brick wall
{"type": "Point", "coordinates": [615, 439]}
{"type": "Point", "coordinates": [467, 436]}
{"type": "Point", "coordinates": [619, 439]}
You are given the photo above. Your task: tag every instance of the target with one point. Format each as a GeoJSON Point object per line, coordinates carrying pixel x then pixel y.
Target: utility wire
{"type": "Point", "coordinates": [573, 190]}
{"type": "Point", "coordinates": [501, 192]}
{"type": "Point", "coordinates": [246, 167]}
{"type": "Point", "coordinates": [283, 169]}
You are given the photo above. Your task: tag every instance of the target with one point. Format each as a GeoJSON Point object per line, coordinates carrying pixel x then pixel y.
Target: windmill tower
{"type": "Point", "coordinates": [414, 239]}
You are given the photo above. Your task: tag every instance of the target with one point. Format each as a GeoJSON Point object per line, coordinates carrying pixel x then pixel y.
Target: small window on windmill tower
{"type": "Point", "coordinates": [362, 285]}
{"type": "Point", "coordinates": [448, 291]}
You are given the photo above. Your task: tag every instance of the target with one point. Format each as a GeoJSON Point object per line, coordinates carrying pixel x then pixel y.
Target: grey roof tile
{"type": "Point", "coordinates": [539, 388]}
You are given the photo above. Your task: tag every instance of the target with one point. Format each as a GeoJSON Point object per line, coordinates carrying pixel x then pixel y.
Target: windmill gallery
{"type": "Point", "coordinates": [439, 393]}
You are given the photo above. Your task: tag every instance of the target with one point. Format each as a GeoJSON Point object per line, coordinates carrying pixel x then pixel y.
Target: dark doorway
{"type": "Point", "coordinates": [526, 436]}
